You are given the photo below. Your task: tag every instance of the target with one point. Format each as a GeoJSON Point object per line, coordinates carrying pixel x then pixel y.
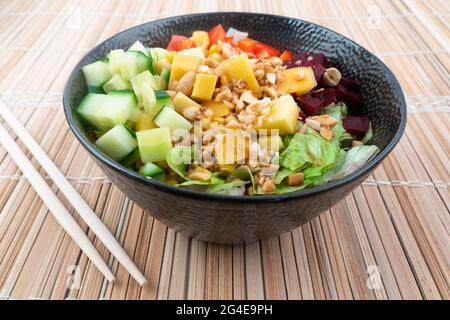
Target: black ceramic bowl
{"type": "Point", "coordinates": [235, 219]}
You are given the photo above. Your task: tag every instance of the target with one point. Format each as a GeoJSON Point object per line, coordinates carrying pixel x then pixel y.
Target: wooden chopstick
{"type": "Point", "coordinates": [85, 212]}
{"type": "Point", "coordinates": [52, 202]}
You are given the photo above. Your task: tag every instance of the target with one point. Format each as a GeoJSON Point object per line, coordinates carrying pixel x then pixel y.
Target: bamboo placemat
{"type": "Point", "coordinates": [389, 239]}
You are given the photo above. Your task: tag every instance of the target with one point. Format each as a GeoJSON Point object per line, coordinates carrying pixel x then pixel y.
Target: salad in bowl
{"type": "Point", "coordinates": [221, 112]}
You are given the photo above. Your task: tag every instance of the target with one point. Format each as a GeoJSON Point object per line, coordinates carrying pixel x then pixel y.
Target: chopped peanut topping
{"type": "Point", "coordinates": [295, 179]}
{"type": "Point", "coordinates": [326, 120]}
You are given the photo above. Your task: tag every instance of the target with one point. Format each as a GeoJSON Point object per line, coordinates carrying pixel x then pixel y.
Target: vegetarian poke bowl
{"type": "Point", "coordinates": [229, 132]}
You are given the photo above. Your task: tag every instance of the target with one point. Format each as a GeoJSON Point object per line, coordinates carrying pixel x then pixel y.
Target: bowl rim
{"type": "Point", "coordinates": [363, 171]}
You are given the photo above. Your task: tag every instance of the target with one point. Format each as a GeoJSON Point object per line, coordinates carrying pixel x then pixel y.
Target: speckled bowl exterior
{"type": "Point", "coordinates": [236, 219]}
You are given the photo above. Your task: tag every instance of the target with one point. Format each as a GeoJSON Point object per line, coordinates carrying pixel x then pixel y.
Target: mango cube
{"type": "Point", "coordinates": [181, 101]}
{"type": "Point", "coordinates": [182, 64]}
{"type": "Point", "coordinates": [300, 80]}
{"type": "Point", "coordinates": [238, 68]}
{"type": "Point", "coordinates": [200, 38]}
{"type": "Point", "coordinates": [283, 114]}
{"type": "Point", "coordinates": [144, 122]}
{"type": "Point", "coordinates": [219, 109]}
{"type": "Point", "coordinates": [204, 86]}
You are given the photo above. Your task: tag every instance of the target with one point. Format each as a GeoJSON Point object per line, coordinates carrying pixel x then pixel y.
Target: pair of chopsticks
{"type": "Point", "coordinates": [55, 206]}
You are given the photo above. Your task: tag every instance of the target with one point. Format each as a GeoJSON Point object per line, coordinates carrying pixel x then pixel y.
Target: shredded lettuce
{"type": "Point", "coordinates": [355, 158]}
{"type": "Point", "coordinates": [368, 136]}
{"type": "Point", "coordinates": [337, 111]}
{"type": "Point", "coordinates": [177, 160]}
{"type": "Point", "coordinates": [308, 150]}
{"type": "Point", "coordinates": [281, 175]}
{"type": "Point", "coordinates": [244, 173]}
{"type": "Point", "coordinates": [284, 188]}
{"type": "Point", "coordinates": [235, 187]}
{"type": "Point", "coordinates": [327, 175]}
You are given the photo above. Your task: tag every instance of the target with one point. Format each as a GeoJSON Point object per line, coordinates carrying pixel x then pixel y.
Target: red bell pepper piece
{"type": "Point", "coordinates": [246, 44]}
{"type": "Point", "coordinates": [173, 44]}
{"type": "Point", "coordinates": [262, 50]}
{"type": "Point", "coordinates": [286, 56]}
{"type": "Point", "coordinates": [217, 33]}
{"type": "Point", "coordinates": [185, 44]}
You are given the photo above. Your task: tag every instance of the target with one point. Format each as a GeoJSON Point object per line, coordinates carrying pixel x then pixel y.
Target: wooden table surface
{"type": "Point", "coordinates": [389, 239]}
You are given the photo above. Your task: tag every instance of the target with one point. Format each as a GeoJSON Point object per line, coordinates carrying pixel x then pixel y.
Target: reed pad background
{"type": "Point", "coordinates": [387, 240]}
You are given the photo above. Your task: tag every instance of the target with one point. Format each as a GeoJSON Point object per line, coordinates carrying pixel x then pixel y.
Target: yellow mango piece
{"type": "Point", "coordinates": [181, 101]}
{"type": "Point", "coordinates": [215, 48]}
{"type": "Point", "coordinates": [283, 114]}
{"type": "Point", "coordinates": [204, 86]}
{"type": "Point", "coordinates": [219, 109]}
{"type": "Point", "coordinates": [200, 38]}
{"type": "Point", "coordinates": [144, 122]}
{"type": "Point", "coordinates": [238, 68]}
{"type": "Point", "coordinates": [170, 55]}
{"type": "Point", "coordinates": [181, 65]}
{"type": "Point", "coordinates": [299, 80]}
{"type": "Point", "coordinates": [231, 147]}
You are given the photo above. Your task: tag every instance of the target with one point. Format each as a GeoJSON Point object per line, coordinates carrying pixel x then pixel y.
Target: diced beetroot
{"type": "Point", "coordinates": [319, 58]}
{"type": "Point", "coordinates": [319, 70]}
{"type": "Point", "coordinates": [302, 115]}
{"type": "Point", "coordinates": [350, 84]}
{"type": "Point", "coordinates": [350, 98]}
{"type": "Point", "coordinates": [357, 125]}
{"type": "Point", "coordinates": [327, 96]}
{"type": "Point", "coordinates": [309, 105]}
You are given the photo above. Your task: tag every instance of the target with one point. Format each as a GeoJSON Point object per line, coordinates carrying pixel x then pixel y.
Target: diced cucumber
{"type": "Point", "coordinates": [162, 98]}
{"type": "Point", "coordinates": [156, 54]}
{"type": "Point", "coordinates": [133, 63]}
{"type": "Point", "coordinates": [115, 60]}
{"type": "Point", "coordinates": [168, 117]}
{"type": "Point", "coordinates": [154, 144]}
{"type": "Point", "coordinates": [96, 74]}
{"type": "Point", "coordinates": [117, 142]}
{"type": "Point", "coordinates": [135, 114]}
{"type": "Point", "coordinates": [138, 46]}
{"type": "Point", "coordinates": [149, 101]}
{"type": "Point", "coordinates": [94, 89]}
{"type": "Point", "coordinates": [150, 170]}
{"type": "Point", "coordinates": [116, 83]}
{"type": "Point", "coordinates": [165, 74]}
{"type": "Point", "coordinates": [117, 108]}
{"type": "Point", "coordinates": [138, 81]}
{"type": "Point", "coordinates": [160, 83]}
{"type": "Point", "coordinates": [196, 52]}
{"type": "Point", "coordinates": [89, 109]}
{"type": "Point", "coordinates": [131, 158]}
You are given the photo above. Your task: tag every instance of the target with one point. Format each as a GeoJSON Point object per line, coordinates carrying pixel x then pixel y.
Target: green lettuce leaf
{"type": "Point", "coordinates": [327, 174]}
{"type": "Point", "coordinates": [177, 160]}
{"type": "Point", "coordinates": [368, 136]}
{"type": "Point", "coordinates": [337, 111]}
{"type": "Point", "coordinates": [308, 150]}
{"type": "Point", "coordinates": [235, 187]}
{"type": "Point", "coordinates": [284, 188]}
{"type": "Point", "coordinates": [355, 158]}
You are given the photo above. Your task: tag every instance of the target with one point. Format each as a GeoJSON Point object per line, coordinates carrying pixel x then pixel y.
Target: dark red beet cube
{"type": "Point", "coordinates": [357, 125]}
{"type": "Point", "coordinates": [309, 105]}
{"type": "Point", "coordinates": [319, 70]}
{"type": "Point", "coordinates": [327, 96]}
{"type": "Point", "coordinates": [350, 98]}
{"type": "Point", "coordinates": [350, 84]}
{"type": "Point", "coordinates": [319, 58]}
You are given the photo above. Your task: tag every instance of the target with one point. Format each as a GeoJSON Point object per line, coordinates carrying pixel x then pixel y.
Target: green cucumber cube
{"type": "Point", "coordinates": [89, 108]}
{"type": "Point", "coordinates": [154, 144]}
{"type": "Point", "coordinates": [115, 60]}
{"type": "Point", "coordinates": [144, 78]}
{"type": "Point", "coordinates": [117, 142]}
{"type": "Point", "coordinates": [149, 101]}
{"type": "Point", "coordinates": [169, 118]}
{"type": "Point", "coordinates": [116, 83]}
{"type": "Point", "coordinates": [117, 108]}
{"type": "Point", "coordinates": [150, 170]}
{"type": "Point", "coordinates": [96, 74]}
